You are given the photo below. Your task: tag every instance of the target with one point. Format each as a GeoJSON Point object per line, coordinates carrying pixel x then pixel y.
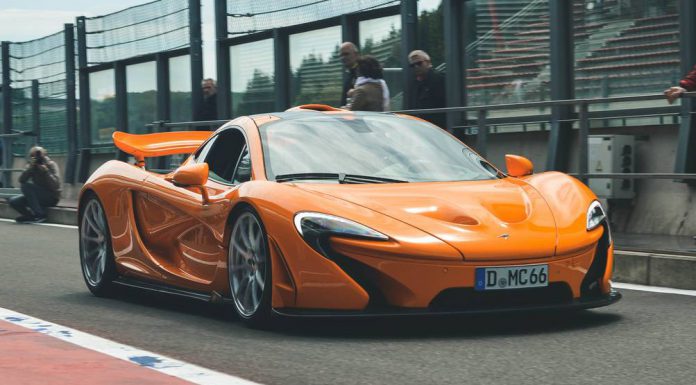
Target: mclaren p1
{"type": "Point", "coordinates": [317, 211]}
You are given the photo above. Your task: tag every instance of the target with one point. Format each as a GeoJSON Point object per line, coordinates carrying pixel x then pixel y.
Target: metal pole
{"type": "Point", "coordinates": [455, 86]}
{"type": "Point", "coordinates": [35, 112]}
{"type": "Point", "coordinates": [409, 42]}
{"type": "Point", "coordinates": [85, 135]}
{"type": "Point", "coordinates": [282, 69]}
{"type": "Point", "coordinates": [121, 103]}
{"type": "Point", "coordinates": [163, 100]}
{"type": "Point", "coordinates": [6, 113]}
{"type": "Point", "coordinates": [224, 90]}
{"type": "Point", "coordinates": [349, 29]}
{"type": "Point", "coordinates": [562, 82]}
{"type": "Point", "coordinates": [482, 135]}
{"type": "Point", "coordinates": [196, 55]}
{"type": "Point", "coordinates": [163, 91]}
{"type": "Point", "coordinates": [583, 133]}
{"type": "Point", "coordinates": [686, 143]}
{"type": "Point", "coordinates": [70, 103]}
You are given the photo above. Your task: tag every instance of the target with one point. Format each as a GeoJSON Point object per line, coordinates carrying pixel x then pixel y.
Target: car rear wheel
{"type": "Point", "coordinates": [249, 268]}
{"type": "Point", "coordinates": [96, 254]}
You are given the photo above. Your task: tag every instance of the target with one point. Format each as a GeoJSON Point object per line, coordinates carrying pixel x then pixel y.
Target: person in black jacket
{"type": "Point", "coordinates": [429, 89]}
{"type": "Point", "coordinates": [349, 57]}
{"type": "Point", "coordinates": [41, 187]}
{"type": "Point", "coordinates": [207, 108]}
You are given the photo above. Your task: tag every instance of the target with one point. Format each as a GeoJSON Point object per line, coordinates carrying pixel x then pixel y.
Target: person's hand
{"type": "Point", "coordinates": [42, 167]}
{"type": "Point", "coordinates": [350, 92]}
{"type": "Point", "coordinates": [672, 93]}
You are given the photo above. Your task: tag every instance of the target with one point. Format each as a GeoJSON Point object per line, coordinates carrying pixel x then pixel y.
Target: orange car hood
{"type": "Point", "coordinates": [489, 220]}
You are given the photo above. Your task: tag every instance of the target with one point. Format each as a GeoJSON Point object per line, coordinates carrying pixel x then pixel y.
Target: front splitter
{"type": "Point", "coordinates": [606, 300]}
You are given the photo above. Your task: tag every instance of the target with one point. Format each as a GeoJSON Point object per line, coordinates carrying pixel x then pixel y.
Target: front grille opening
{"type": "Point", "coordinates": [470, 299]}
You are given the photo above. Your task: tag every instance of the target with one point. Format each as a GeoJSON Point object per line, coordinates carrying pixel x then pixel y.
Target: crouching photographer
{"type": "Point", "coordinates": [40, 183]}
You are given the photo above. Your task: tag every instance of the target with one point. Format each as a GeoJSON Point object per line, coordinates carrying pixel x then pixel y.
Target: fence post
{"type": "Point", "coordinates": [163, 91]}
{"type": "Point", "coordinates": [6, 113]}
{"type": "Point", "coordinates": [562, 79]}
{"type": "Point", "coordinates": [482, 135]}
{"type": "Point", "coordinates": [85, 134]}
{"type": "Point", "coordinates": [70, 104]}
{"type": "Point", "coordinates": [163, 101]}
{"type": "Point", "coordinates": [455, 86]}
{"type": "Point", "coordinates": [281, 54]}
{"type": "Point", "coordinates": [583, 137]}
{"type": "Point", "coordinates": [35, 112]}
{"type": "Point", "coordinates": [686, 143]}
{"type": "Point", "coordinates": [121, 103]}
{"type": "Point", "coordinates": [409, 42]}
{"type": "Point", "coordinates": [350, 30]}
{"type": "Point", "coordinates": [222, 54]}
{"type": "Point", "coordinates": [196, 56]}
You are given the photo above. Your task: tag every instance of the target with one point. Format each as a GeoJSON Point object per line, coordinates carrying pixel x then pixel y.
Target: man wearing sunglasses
{"type": "Point", "coordinates": [429, 90]}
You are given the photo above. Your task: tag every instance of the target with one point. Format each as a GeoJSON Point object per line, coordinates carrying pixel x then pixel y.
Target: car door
{"type": "Point", "coordinates": [185, 236]}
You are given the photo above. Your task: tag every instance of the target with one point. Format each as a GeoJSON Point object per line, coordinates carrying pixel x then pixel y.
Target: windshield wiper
{"type": "Point", "coordinates": [340, 177]}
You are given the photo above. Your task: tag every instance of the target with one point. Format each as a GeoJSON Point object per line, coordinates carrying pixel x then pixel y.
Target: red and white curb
{"type": "Point", "coordinates": [184, 371]}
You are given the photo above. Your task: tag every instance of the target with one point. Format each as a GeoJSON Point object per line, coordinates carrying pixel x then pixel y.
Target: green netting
{"type": "Point", "coordinates": [249, 16]}
{"type": "Point", "coordinates": [53, 116]}
{"type": "Point", "coordinates": [42, 60]}
{"type": "Point", "coordinates": [148, 28]}
{"type": "Point", "coordinates": [22, 119]}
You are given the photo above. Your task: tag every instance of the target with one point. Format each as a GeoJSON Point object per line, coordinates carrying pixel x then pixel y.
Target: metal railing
{"type": "Point", "coordinates": [482, 124]}
{"type": "Point", "coordinates": [582, 115]}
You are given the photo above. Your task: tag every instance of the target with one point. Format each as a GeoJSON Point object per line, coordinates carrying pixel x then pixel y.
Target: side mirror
{"type": "Point", "coordinates": [192, 175]}
{"type": "Point", "coordinates": [518, 166]}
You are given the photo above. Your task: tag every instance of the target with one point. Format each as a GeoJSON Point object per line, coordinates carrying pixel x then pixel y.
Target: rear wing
{"type": "Point", "coordinates": [159, 144]}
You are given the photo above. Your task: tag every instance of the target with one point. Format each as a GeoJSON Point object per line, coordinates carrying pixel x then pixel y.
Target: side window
{"type": "Point", "coordinates": [243, 172]}
{"type": "Point", "coordinates": [224, 155]}
{"type": "Point", "coordinates": [203, 152]}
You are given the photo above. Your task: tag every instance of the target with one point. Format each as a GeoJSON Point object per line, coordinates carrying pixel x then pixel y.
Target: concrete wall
{"type": "Point", "coordinates": [661, 206]}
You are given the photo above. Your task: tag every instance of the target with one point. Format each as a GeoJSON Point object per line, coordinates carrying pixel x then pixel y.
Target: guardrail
{"type": "Point", "coordinates": [582, 115]}
{"type": "Point", "coordinates": [480, 127]}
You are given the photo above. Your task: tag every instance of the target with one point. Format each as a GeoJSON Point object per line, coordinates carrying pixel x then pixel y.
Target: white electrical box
{"type": "Point", "coordinates": [611, 154]}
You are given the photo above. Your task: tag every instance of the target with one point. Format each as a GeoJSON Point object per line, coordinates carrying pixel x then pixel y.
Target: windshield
{"type": "Point", "coordinates": [377, 145]}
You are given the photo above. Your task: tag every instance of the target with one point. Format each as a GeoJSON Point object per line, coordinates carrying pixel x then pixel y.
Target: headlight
{"type": "Point", "coordinates": [312, 225]}
{"type": "Point", "coordinates": [595, 215]}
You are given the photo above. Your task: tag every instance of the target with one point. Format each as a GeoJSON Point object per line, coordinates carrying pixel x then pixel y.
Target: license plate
{"type": "Point", "coordinates": [511, 277]}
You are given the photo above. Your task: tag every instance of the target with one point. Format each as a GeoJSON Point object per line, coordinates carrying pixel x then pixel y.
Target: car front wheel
{"type": "Point", "coordinates": [249, 267]}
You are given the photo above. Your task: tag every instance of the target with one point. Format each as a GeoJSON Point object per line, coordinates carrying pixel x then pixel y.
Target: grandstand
{"type": "Point", "coordinates": [619, 50]}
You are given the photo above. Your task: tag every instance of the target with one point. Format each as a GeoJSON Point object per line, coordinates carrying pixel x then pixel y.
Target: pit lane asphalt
{"type": "Point", "coordinates": [647, 338]}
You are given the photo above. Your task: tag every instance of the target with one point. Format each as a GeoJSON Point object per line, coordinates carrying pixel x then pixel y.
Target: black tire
{"type": "Point", "coordinates": [249, 265]}
{"type": "Point", "coordinates": [96, 252]}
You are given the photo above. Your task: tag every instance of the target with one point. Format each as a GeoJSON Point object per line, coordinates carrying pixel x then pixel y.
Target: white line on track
{"type": "Point", "coordinates": [39, 224]}
{"type": "Point", "coordinates": [653, 289]}
{"type": "Point", "coordinates": [185, 371]}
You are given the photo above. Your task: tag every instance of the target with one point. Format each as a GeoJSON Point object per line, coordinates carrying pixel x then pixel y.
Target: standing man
{"type": "Point", "coordinates": [40, 184]}
{"type": "Point", "coordinates": [429, 89]}
{"type": "Point", "coordinates": [207, 108]}
{"type": "Point", "coordinates": [349, 58]}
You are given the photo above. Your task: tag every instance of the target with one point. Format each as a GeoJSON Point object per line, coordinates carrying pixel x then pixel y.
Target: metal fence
{"type": "Point", "coordinates": [144, 64]}
{"type": "Point", "coordinates": [121, 65]}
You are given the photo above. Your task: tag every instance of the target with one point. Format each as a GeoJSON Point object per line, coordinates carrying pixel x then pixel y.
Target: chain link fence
{"type": "Point", "coordinates": [250, 16]}
{"type": "Point", "coordinates": [41, 60]}
{"type": "Point", "coordinates": [157, 26]}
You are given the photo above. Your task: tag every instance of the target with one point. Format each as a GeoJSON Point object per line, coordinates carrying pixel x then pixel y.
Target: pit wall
{"type": "Point", "coordinates": [661, 206]}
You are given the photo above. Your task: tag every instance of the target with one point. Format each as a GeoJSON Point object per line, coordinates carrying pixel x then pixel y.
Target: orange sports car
{"type": "Point", "coordinates": [322, 212]}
